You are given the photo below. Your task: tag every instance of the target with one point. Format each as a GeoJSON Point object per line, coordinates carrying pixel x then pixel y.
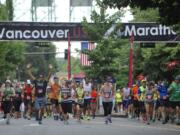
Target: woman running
{"type": "Point", "coordinates": [17, 100]}
{"type": "Point", "coordinates": [107, 94]}
{"type": "Point", "coordinates": [66, 102]}
{"type": "Point", "coordinates": [149, 101]}
{"type": "Point", "coordinates": [8, 94]}
{"type": "Point", "coordinates": [94, 96]}
{"type": "Point", "coordinates": [27, 97]}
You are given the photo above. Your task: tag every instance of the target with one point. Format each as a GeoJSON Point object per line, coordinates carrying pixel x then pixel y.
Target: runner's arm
{"type": "Point", "coordinates": [29, 72]}
{"type": "Point", "coordinates": [50, 72]}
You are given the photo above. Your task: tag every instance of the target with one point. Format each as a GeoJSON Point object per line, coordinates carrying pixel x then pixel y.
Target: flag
{"type": "Point", "coordinates": [84, 57]}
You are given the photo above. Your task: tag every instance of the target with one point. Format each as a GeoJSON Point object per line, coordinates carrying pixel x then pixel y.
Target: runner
{"type": "Point", "coordinates": [126, 99]}
{"type": "Point", "coordinates": [149, 101]}
{"type": "Point", "coordinates": [66, 102]}
{"type": "Point", "coordinates": [55, 91]}
{"type": "Point", "coordinates": [163, 100]}
{"type": "Point", "coordinates": [73, 97]}
{"type": "Point", "coordinates": [141, 93]}
{"type": "Point", "coordinates": [8, 94]}
{"type": "Point", "coordinates": [107, 94]}
{"type": "Point", "coordinates": [135, 100]}
{"type": "Point", "coordinates": [80, 101]}
{"type": "Point", "coordinates": [27, 97]}
{"type": "Point", "coordinates": [87, 99]}
{"type": "Point", "coordinates": [174, 90]}
{"type": "Point", "coordinates": [94, 96]}
{"type": "Point", "coordinates": [155, 103]}
{"type": "Point", "coordinates": [40, 84]}
{"type": "Point", "coordinates": [17, 100]}
{"type": "Point", "coordinates": [118, 101]}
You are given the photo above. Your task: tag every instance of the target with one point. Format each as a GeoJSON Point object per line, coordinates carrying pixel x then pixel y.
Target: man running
{"type": "Point", "coordinates": [174, 90]}
{"type": "Point", "coordinates": [163, 100]}
{"type": "Point", "coordinates": [141, 93]}
{"type": "Point", "coordinates": [55, 92]}
{"type": "Point", "coordinates": [87, 99]}
{"type": "Point", "coordinates": [40, 85]}
{"type": "Point", "coordinates": [126, 99]}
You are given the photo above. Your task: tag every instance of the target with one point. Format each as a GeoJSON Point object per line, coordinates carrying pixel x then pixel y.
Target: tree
{"type": "Point", "coordinates": [152, 61]}
{"type": "Point", "coordinates": [110, 57]}
{"type": "Point", "coordinates": [168, 9]}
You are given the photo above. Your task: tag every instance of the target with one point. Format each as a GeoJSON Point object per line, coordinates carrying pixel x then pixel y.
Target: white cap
{"type": "Point", "coordinates": [28, 82]}
{"type": "Point", "coordinates": [8, 81]}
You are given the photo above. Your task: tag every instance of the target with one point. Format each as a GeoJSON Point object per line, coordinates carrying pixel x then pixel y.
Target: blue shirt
{"type": "Point", "coordinates": [162, 90]}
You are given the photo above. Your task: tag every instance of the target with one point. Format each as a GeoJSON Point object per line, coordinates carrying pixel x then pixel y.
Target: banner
{"type": "Point", "coordinates": [41, 31]}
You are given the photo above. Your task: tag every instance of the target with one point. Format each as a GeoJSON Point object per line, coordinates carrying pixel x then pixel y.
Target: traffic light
{"type": "Point", "coordinates": [66, 54]}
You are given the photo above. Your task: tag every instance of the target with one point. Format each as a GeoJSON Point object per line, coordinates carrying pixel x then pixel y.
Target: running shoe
{"type": "Point", "coordinates": [40, 122]}
{"type": "Point", "coordinates": [109, 119]}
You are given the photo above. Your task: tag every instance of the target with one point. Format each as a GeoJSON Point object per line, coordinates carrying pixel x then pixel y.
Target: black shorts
{"type": "Point", "coordinates": [142, 107]}
{"type": "Point", "coordinates": [80, 103]}
{"type": "Point", "coordinates": [87, 102]}
{"type": "Point", "coordinates": [66, 107]}
{"type": "Point", "coordinates": [17, 104]}
{"type": "Point", "coordinates": [28, 102]}
{"type": "Point", "coordinates": [55, 102]}
{"type": "Point", "coordinates": [163, 102]}
{"type": "Point", "coordinates": [173, 104]}
{"type": "Point", "coordinates": [7, 105]}
{"type": "Point", "coordinates": [136, 103]}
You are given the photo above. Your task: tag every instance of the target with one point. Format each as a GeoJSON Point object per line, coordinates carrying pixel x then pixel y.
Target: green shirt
{"type": "Point", "coordinates": [8, 92]}
{"type": "Point", "coordinates": [175, 91]}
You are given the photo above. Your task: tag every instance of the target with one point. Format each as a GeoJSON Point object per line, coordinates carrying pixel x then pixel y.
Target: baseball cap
{"type": "Point", "coordinates": [28, 82]}
{"type": "Point", "coordinates": [8, 81]}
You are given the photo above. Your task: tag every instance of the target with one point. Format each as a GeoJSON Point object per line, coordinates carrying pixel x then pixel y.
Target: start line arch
{"type": "Point", "coordinates": [48, 31]}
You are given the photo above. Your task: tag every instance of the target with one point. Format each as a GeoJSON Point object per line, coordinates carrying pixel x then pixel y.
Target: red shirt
{"type": "Point", "coordinates": [28, 91]}
{"type": "Point", "coordinates": [94, 95]}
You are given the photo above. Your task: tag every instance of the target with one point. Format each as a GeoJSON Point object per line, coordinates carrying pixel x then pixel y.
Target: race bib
{"type": "Point", "coordinates": [40, 90]}
{"type": "Point", "coordinates": [107, 95]}
{"type": "Point", "coordinates": [65, 95]}
{"type": "Point", "coordinates": [164, 97]}
{"type": "Point", "coordinates": [149, 96]}
{"type": "Point", "coordinates": [87, 94]}
{"type": "Point", "coordinates": [28, 97]}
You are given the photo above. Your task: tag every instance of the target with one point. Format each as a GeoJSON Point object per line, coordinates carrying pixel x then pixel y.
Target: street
{"type": "Point", "coordinates": [120, 126]}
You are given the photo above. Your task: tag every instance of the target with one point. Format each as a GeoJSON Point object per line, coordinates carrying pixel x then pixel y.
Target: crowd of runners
{"type": "Point", "coordinates": [39, 98]}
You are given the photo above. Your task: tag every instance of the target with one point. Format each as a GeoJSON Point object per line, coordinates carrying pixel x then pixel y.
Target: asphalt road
{"type": "Point", "coordinates": [120, 126]}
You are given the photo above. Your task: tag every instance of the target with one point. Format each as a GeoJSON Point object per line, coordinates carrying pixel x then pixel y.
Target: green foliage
{"type": "Point", "coordinates": [168, 9]}
{"type": "Point", "coordinates": [110, 57]}
{"type": "Point", "coordinates": [12, 59]}
{"type": "Point", "coordinates": [75, 65]}
{"type": "Point", "coordinates": [39, 62]}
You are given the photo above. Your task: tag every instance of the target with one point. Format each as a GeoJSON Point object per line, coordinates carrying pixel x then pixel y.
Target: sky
{"type": "Point", "coordinates": [61, 13]}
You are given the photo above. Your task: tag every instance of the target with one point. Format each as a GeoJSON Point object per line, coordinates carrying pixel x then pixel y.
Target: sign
{"type": "Point", "coordinates": [47, 31]}
{"type": "Point", "coordinates": [39, 31]}
{"type": "Point", "coordinates": [80, 3]}
{"type": "Point", "coordinates": [149, 32]}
